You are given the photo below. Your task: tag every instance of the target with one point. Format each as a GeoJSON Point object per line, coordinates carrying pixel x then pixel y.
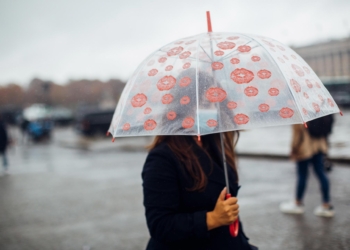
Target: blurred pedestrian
{"type": "Point", "coordinates": [184, 194]}
{"type": "Point", "coordinates": [24, 128]}
{"type": "Point", "coordinates": [308, 148]}
{"type": "Point", "coordinates": [4, 141]}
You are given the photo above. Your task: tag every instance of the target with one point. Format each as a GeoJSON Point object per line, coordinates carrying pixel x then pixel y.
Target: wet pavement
{"type": "Point", "coordinates": [63, 197]}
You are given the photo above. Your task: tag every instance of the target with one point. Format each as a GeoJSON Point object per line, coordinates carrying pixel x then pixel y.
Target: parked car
{"type": "Point", "coordinates": [39, 129]}
{"type": "Point", "coordinates": [96, 122]}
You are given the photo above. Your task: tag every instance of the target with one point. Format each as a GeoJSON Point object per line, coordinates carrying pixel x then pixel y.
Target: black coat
{"type": "Point", "coordinates": [176, 217]}
{"type": "Point", "coordinates": [3, 137]}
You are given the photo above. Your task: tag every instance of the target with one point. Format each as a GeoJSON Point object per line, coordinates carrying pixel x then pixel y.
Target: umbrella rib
{"type": "Point", "coordinates": [235, 51]}
{"type": "Point", "coordinates": [197, 97]}
{"type": "Point", "coordinates": [206, 54]}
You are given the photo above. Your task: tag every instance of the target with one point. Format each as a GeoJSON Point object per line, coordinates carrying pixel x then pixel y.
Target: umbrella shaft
{"type": "Point", "coordinates": [224, 162]}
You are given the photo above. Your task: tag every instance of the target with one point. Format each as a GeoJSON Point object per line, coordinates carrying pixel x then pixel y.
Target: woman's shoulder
{"type": "Point", "coordinates": [160, 156]}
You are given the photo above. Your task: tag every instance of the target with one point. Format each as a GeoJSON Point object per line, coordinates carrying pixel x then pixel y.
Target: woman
{"type": "Point", "coordinates": [184, 194]}
{"type": "Point", "coordinates": [305, 150]}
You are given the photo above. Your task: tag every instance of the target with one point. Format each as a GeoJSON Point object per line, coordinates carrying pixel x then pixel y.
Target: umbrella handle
{"type": "Point", "coordinates": [234, 227]}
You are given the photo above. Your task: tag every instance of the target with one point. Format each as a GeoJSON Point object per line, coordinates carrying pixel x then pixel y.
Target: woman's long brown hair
{"type": "Point", "coordinates": [185, 154]}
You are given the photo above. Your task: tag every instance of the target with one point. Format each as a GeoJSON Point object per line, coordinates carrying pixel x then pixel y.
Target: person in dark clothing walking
{"type": "Point", "coordinates": [307, 149]}
{"type": "Point", "coordinates": [184, 194]}
{"type": "Point", "coordinates": [4, 140]}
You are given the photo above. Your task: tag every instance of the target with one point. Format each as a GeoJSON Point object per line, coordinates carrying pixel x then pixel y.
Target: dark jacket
{"type": "Point", "coordinates": [3, 137]}
{"type": "Point", "coordinates": [176, 217]}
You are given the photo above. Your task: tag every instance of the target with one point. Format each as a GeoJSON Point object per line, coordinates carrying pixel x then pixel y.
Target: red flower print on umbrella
{"type": "Point", "coordinates": [169, 67]}
{"type": "Point", "coordinates": [295, 85]}
{"type": "Point", "coordinates": [255, 58]}
{"type": "Point", "coordinates": [186, 65]}
{"type": "Point", "coordinates": [190, 42]}
{"type": "Point", "coordinates": [185, 100]}
{"type": "Point", "coordinates": [162, 59]}
{"type": "Point", "coordinates": [244, 48]}
{"type": "Point", "coordinates": [285, 57]}
{"type": "Point", "coordinates": [152, 72]}
{"type": "Point", "coordinates": [321, 98]}
{"type": "Point", "coordinates": [215, 94]}
{"type": "Point", "coordinates": [130, 111]}
{"type": "Point", "coordinates": [138, 100]}
{"type": "Point", "coordinates": [304, 111]}
{"type": "Point", "coordinates": [298, 70]}
{"type": "Point", "coordinates": [273, 92]}
{"type": "Point", "coordinates": [308, 83]}
{"type": "Point", "coordinates": [167, 98]}
{"type": "Point", "coordinates": [226, 45]}
{"type": "Point", "coordinates": [330, 102]}
{"type": "Point", "coordinates": [171, 115]}
{"type": "Point", "coordinates": [175, 51]}
{"type": "Point", "coordinates": [306, 69]}
{"type": "Point", "coordinates": [318, 85]}
{"type": "Point", "coordinates": [147, 110]}
{"type": "Point", "coordinates": [286, 113]}
{"type": "Point", "coordinates": [242, 76]}
{"type": "Point", "coordinates": [219, 53]}
{"type": "Point", "coordinates": [150, 124]}
{"type": "Point", "coordinates": [188, 122]}
{"type": "Point", "coordinates": [234, 61]}
{"type": "Point", "coordinates": [280, 47]}
{"type": "Point", "coordinates": [280, 59]}
{"type": "Point", "coordinates": [231, 105]}
{"type": "Point", "coordinates": [264, 107]}
{"type": "Point", "coordinates": [217, 65]}
{"type": "Point", "coordinates": [178, 42]}
{"type": "Point", "coordinates": [316, 107]}
{"type": "Point", "coordinates": [185, 81]}
{"type": "Point", "coordinates": [212, 123]}
{"type": "Point", "coordinates": [306, 95]}
{"type": "Point", "coordinates": [251, 91]}
{"type": "Point", "coordinates": [184, 55]}
{"type": "Point", "coordinates": [233, 38]}
{"type": "Point", "coordinates": [293, 56]}
{"type": "Point", "coordinates": [126, 126]}
{"type": "Point", "coordinates": [269, 43]}
{"type": "Point", "coordinates": [264, 74]}
{"type": "Point", "coordinates": [241, 119]}
{"type": "Point", "coordinates": [166, 83]}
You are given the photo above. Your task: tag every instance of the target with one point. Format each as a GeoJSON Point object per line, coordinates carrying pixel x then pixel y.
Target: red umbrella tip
{"type": "Point", "coordinates": [305, 125]}
{"type": "Point", "coordinates": [209, 22]}
{"type": "Point", "coordinates": [199, 138]}
{"type": "Point", "coordinates": [341, 113]}
{"type": "Point", "coordinates": [113, 139]}
{"type": "Point", "coordinates": [107, 134]}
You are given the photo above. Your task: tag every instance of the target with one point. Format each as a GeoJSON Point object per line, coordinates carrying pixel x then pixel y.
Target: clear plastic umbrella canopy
{"type": "Point", "coordinates": [216, 82]}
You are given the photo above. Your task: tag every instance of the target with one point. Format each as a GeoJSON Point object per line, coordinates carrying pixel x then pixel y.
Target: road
{"type": "Point", "coordinates": [67, 198]}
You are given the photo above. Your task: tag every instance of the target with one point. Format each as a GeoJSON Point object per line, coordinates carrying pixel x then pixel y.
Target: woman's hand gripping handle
{"type": "Point", "coordinates": [234, 227]}
{"type": "Point", "coordinates": [225, 213]}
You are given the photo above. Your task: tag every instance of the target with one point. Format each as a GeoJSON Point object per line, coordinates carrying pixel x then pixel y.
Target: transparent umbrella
{"type": "Point", "coordinates": [219, 81]}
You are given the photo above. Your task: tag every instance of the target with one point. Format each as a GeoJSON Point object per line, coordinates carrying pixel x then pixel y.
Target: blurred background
{"type": "Point", "coordinates": [63, 66]}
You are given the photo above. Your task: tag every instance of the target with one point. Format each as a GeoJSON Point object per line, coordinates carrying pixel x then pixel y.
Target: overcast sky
{"type": "Point", "coordinates": [100, 39]}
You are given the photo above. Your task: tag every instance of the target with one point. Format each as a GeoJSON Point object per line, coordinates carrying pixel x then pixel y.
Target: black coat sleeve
{"type": "Point", "coordinates": [162, 200]}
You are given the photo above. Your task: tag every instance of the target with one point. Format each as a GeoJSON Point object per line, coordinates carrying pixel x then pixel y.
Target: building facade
{"type": "Point", "coordinates": [331, 62]}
